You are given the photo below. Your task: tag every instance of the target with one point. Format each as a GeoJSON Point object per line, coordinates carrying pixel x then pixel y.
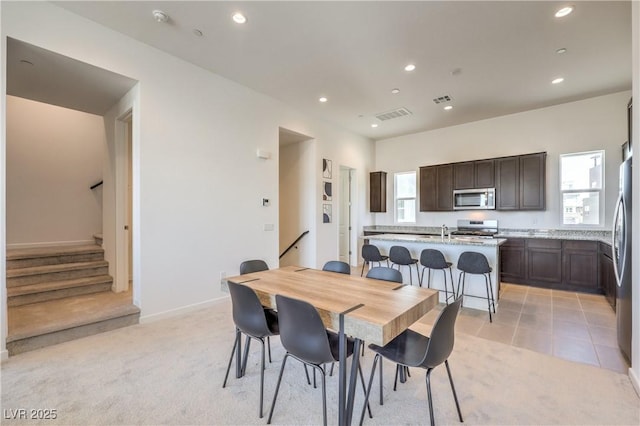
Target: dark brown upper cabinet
{"type": "Point", "coordinates": [436, 188]}
{"type": "Point", "coordinates": [521, 182]}
{"type": "Point", "coordinates": [378, 192]}
{"type": "Point", "coordinates": [474, 174]}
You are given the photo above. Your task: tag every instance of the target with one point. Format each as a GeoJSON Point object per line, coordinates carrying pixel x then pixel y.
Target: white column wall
{"type": "Point", "coordinates": [200, 182]}
{"type": "Point", "coordinates": [54, 155]}
{"type": "Point", "coordinates": [591, 124]}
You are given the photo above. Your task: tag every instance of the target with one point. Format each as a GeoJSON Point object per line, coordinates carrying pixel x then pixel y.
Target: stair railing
{"type": "Point", "coordinates": [294, 243]}
{"type": "Point", "coordinates": [94, 186]}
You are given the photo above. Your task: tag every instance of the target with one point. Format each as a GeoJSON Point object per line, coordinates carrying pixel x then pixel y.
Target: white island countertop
{"type": "Point", "coordinates": [453, 240]}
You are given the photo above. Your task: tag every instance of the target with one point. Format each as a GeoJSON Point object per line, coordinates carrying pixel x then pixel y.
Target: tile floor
{"type": "Point", "coordinates": [575, 326]}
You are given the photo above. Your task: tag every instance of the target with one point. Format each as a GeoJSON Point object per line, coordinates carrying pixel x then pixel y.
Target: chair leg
{"type": "Point", "coordinates": [422, 277]}
{"type": "Point", "coordinates": [233, 351]}
{"type": "Point", "coordinates": [433, 422]}
{"type": "Point", "coordinates": [493, 300]}
{"type": "Point", "coordinates": [453, 291]}
{"type": "Point", "coordinates": [381, 380]}
{"type": "Point", "coordinates": [261, 380]}
{"type": "Point", "coordinates": [307, 373]}
{"type": "Point", "coordinates": [488, 298]}
{"type": "Point", "coordinates": [269, 346]}
{"type": "Point", "coordinates": [324, 396]}
{"type": "Point", "coordinates": [395, 381]}
{"type": "Point", "coordinates": [446, 291]}
{"type": "Point", "coordinates": [455, 396]}
{"type": "Point", "coordinates": [364, 388]}
{"type": "Point", "coordinates": [368, 388]}
{"type": "Point", "coordinates": [275, 396]}
{"type": "Point", "coordinates": [417, 274]}
{"type": "Point", "coordinates": [362, 272]}
{"type": "Point", "coordinates": [247, 343]}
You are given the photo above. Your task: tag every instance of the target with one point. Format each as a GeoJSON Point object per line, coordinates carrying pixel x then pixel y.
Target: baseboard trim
{"type": "Point", "coordinates": [182, 310]}
{"type": "Point", "coordinates": [635, 381]}
{"type": "Point", "coordinates": [4, 355]}
{"type": "Point", "coordinates": [49, 244]}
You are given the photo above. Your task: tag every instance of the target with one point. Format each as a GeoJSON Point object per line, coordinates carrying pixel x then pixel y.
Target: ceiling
{"type": "Point", "coordinates": [490, 58]}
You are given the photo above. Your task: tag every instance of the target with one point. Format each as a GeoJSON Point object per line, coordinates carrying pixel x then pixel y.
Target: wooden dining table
{"type": "Point", "coordinates": [366, 309]}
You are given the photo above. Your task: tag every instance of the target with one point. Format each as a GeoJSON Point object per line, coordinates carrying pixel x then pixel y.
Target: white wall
{"type": "Point", "coordinates": [199, 183]}
{"type": "Point", "coordinates": [592, 124]}
{"type": "Point", "coordinates": [54, 155]}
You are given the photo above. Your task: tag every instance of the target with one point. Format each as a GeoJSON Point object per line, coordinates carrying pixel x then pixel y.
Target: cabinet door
{"type": "Point", "coordinates": [428, 188]}
{"type": "Point", "coordinates": [532, 181]}
{"type": "Point", "coordinates": [512, 261]}
{"type": "Point", "coordinates": [444, 193]}
{"type": "Point", "coordinates": [544, 261]}
{"type": "Point", "coordinates": [464, 175]}
{"type": "Point", "coordinates": [378, 192]}
{"type": "Point", "coordinates": [580, 265]}
{"type": "Point", "coordinates": [507, 183]}
{"type": "Point", "coordinates": [485, 173]}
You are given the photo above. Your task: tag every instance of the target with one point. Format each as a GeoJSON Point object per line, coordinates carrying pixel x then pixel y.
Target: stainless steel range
{"type": "Point", "coordinates": [476, 228]}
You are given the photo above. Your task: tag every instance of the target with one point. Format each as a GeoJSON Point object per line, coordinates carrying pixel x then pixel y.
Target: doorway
{"type": "Point", "coordinates": [345, 227]}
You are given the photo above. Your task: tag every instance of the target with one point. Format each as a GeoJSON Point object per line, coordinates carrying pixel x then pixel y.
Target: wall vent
{"type": "Point", "coordinates": [396, 113]}
{"type": "Point", "coordinates": [442, 99]}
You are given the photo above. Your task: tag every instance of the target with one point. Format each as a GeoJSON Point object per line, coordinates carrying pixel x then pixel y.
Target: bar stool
{"type": "Point", "coordinates": [434, 259]}
{"type": "Point", "coordinates": [370, 253]}
{"type": "Point", "coordinates": [399, 255]}
{"type": "Point", "coordinates": [476, 263]}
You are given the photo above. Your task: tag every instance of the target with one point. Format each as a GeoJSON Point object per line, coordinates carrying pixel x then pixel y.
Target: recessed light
{"type": "Point", "coordinates": [410, 67]}
{"type": "Point", "coordinates": [395, 91]}
{"type": "Point", "coordinates": [239, 18]}
{"type": "Point", "coordinates": [448, 108]}
{"type": "Point", "coordinates": [561, 50]}
{"type": "Point", "coordinates": [564, 11]}
{"type": "Point", "coordinates": [374, 125]}
{"type": "Point", "coordinates": [197, 32]}
{"type": "Point", "coordinates": [557, 80]}
{"type": "Point", "coordinates": [160, 16]}
{"type": "Point", "coordinates": [322, 99]}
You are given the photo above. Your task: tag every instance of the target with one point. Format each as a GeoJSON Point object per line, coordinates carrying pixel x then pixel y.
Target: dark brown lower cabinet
{"type": "Point", "coordinates": [558, 264]}
{"type": "Point", "coordinates": [607, 275]}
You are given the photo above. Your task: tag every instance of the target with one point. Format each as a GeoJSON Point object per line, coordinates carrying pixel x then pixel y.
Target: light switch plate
{"type": "Point", "coordinates": [268, 227]}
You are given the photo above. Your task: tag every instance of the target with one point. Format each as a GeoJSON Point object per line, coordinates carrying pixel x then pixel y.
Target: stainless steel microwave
{"type": "Point", "coordinates": [474, 199]}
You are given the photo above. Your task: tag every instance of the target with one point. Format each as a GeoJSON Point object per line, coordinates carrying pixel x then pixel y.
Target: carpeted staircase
{"type": "Point", "coordinates": [56, 294]}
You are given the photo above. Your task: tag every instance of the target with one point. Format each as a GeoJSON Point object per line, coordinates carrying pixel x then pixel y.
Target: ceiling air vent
{"type": "Point", "coordinates": [396, 113]}
{"type": "Point", "coordinates": [442, 99]}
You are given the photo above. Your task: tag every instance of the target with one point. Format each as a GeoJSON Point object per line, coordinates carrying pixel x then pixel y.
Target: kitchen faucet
{"type": "Point", "coordinates": [444, 231]}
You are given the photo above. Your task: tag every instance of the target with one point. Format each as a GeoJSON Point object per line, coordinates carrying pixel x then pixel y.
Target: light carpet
{"type": "Point", "coordinates": [171, 372]}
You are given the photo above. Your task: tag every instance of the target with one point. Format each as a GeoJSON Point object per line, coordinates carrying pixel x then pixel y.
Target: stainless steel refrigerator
{"type": "Point", "coordinates": [621, 247]}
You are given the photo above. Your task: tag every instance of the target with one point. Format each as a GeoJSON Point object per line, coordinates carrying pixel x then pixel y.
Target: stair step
{"type": "Point", "coordinates": [59, 272]}
{"type": "Point", "coordinates": [48, 323]}
{"type": "Point", "coordinates": [34, 293]}
{"type": "Point", "coordinates": [31, 257]}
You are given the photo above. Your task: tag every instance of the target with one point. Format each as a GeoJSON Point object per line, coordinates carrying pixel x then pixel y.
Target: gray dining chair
{"type": "Point", "coordinates": [256, 323]}
{"type": "Point", "coordinates": [305, 339]}
{"type": "Point", "coordinates": [412, 349]}
{"type": "Point", "coordinates": [370, 254]}
{"type": "Point", "coordinates": [337, 266]}
{"type": "Point", "coordinates": [386, 274]}
{"type": "Point", "coordinates": [472, 262]}
{"type": "Point", "coordinates": [254, 265]}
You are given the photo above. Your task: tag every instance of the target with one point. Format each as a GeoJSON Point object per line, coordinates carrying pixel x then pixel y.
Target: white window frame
{"type": "Point", "coordinates": [396, 198]}
{"type": "Point", "coordinates": [600, 191]}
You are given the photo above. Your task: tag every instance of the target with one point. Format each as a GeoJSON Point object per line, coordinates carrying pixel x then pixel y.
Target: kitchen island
{"type": "Point", "coordinates": [451, 247]}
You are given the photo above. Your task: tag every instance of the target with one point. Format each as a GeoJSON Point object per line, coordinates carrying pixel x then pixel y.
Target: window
{"type": "Point", "coordinates": [405, 197]}
{"type": "Point", "coordinates": [582, 189]}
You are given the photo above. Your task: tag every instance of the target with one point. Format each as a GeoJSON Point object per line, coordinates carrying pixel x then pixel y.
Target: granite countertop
{"type": "Point", "coordinates": [562, 234]}
{"type": "Point", "coordinates": [457, 240]}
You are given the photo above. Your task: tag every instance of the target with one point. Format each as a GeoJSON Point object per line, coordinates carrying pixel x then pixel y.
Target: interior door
{"type": "Point", "coordinates": [344, 222]}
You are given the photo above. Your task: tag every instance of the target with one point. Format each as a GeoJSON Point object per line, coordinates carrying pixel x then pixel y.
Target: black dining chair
{"type": "Point", "coordinates": [472, 262]}
{"type": "Point", "coordinates": [400, 256]}
{"type": "Point", "coordinates": [434, 259]}
{"type": "Point", "coordinates": [337, 266]}
{"type": "Point", "coordinates": [412, 349]}
{"type": "Point", "coordinates": [252, 320]}
{"type": "Point", "coordinates": [255, 265]}
{"type": "Point", "coordinates": [370, 254]}
{"type": "Point", "coordinates": [385, 274]}
{"type": "Point", "coordinates": [305, 338]}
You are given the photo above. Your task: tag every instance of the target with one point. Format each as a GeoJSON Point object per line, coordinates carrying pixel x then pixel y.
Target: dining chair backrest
{"type": "Point", "coordinates": [433, 259]}
{"type": "Point", "coordinates": [248, 313]}
{"type": "Point", "coordinates": [256, 265]}
{"type": "Point", "coordinates": [337, 266]}
{"type": "Point", "coordinates": [302, 332]}
{"type": "Point", "coordinates": [473, 263]}
{"type": "Point", "coordinates": [442, 336]}
{"type": "Point", "coordinates": [370, 253]}
{"type": "Point", "coordinates": [385, 273]}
